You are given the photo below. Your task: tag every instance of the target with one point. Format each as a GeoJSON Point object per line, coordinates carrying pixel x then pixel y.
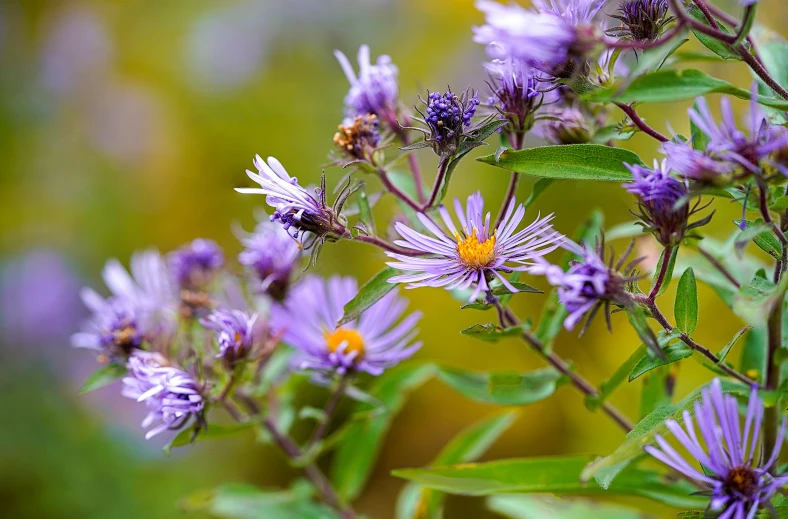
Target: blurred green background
{"type": "Point", "coordinates": [126, 124]}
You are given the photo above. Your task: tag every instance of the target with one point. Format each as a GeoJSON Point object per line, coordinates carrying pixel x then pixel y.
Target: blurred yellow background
{"type": "Point", "coordinates": [126, 124]}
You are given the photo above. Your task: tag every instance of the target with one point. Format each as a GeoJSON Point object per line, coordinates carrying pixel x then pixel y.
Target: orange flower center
{"type": "Point", "coordinates": [473, 253]}
{"type": "Point", "coordinates": [347, 337]}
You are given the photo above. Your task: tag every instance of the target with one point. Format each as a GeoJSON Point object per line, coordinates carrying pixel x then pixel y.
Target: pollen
{"type": "Point", "coordinates": [473, 253]}
{"type": "Point", "coordinates": [350, 338]}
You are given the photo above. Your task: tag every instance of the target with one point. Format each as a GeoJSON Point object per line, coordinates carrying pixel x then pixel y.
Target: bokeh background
{"type": "Point", "coordinates": [127, 123]}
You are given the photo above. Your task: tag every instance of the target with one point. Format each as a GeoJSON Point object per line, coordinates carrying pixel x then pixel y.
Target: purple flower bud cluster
{"type": "Point", "coordinates": [641, 20]}
{"type": "Point", "coordinates": [448, 119]}
{"type": "Point", "coordinates": [515, 93]}
{"type": "Point", "coordinates": [194, 265]}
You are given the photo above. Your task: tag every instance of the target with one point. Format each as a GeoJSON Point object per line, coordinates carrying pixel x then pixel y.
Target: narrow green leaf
{"type": "Point", "coordinates": [355, 458]}
{"type": "Point", "coordinates": [521, 287]}
{"type": "Point", "coordinates": [548, 507]}
{"type": "Point", "coordinates": [492, 332]}
{"type": "Point", "coordinates": [643, 434]}
{"type": "Point", "coordinates": [365, 211]}
{"type": "Point", "coordinates": [780, 204]}
{"type": "Point", "coordinates": [657, 389]}
{"type": "Point", "coordinates": [773, 50]}
{"type": "Point", "coordinates": [370, 293]}
{"type": "Point", "coordinates": [669, 273]}
{"type": "Point", "coordinates": [214, 431]}
{"type": "Point", "coordinates": [103, 376]}
{"type": "Point", "coordinates": [723, 354]}
{"type": "Point", "coordinates": [539, 187]}
{"type": "Point", "coordinates": [637, 318]}
{"type": "Point", "coordinates": [685, 308]}
{"type": "Point", "coordinates": [674, 352]}
{"type": "Point", "coordinates": [753, 353]}
{"type": "Point", "coordinates": [666, 86]}
{"type": "Point", "coordinates": [624, 230]}
{"type": "Point", "coordinates": [549, 475]}
{"type": "Point", "coordinates": [569, 162]}
{"type": "Point", "coordinates": [760, 233]}
{"type": "Point", "coordinates": [654, 59]}
{"type": "Point", "coordinates": [468, 445]}
{"type": "Point", "coordinates": [502, 388]}
{"type": "Point", "coordinates": [718, 47]}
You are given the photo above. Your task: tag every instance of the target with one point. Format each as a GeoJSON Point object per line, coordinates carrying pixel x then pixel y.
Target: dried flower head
{"type": "Point", "coordinates": [358, 140]}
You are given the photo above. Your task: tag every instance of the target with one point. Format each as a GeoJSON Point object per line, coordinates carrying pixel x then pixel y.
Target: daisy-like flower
{"type": "Point", "coordinates": [113, 330]}
{"type": "Point", "coordinates": [729, 462]}
{"type": "Point", "coordinates": [728, 143]}
{"type": "Point", "coordinates": [475, 254]}
{"type": "Point", "coordinates": [172, 395]}
{"type": "Point", "coordinates": [550, 38]}
{"type": "Point", "coordinates": [149, 286]}
{"type": "Point", "coordinates": [195, 264]}
{"type": "Point", "coordinates": [374, 90]}
{"type": "Point", "coordinates": [372, 343]}
{"type": "Point", "coordinates": [234, 331]}
{"type": "Point", "coordinates": [659, 195]}
{"type": "Point", "coordinates": [272, 255]}
{"type": "Point", "coordinates": [298, 210]}
{"type": "Point", "coordinates": [693, 164]}
{"type": "Point", "coordinates": [589, 282]}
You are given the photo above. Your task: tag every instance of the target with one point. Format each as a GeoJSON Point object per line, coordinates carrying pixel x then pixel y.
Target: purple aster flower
{"type": "Point", "coordinates": [272, 255]}
{"type": "Point", "coordinates": [358, 139]}
{"type": "Point", "coordinates": [695, 165]}
{"type": "Point", "coordinates": [195, 264]}
{"type": "Point", "coordinates": [661, 206]}
{"type": "Point", "coordinates": [730, 465]}
{"type": "Point", "coordinates": [149, 287]}
{"type": "Point", "coordinates": [374, 90]}
{"type": "Point", "coordinates": [641, 20]}
{"type": "Point", "coordinates": [172, 395]}
{"type": "Point", "coordinates": [728, 143]}
{"type": "Point", "coordinates": [475, 254]}
{"type": "Point", "coordinates": [114, 329]}
{"type": "Point", "coordinates": [515, 94]}
{"type": "Point", "coordinates": [549, 39]}
{"type": "Point", "coordinates": [372, 343]}
{"type": "Point", "coordinates": [234, 331]}
{"type": "Point", "coordinates": [298, 210]}
{"type": "Point", "coordinates": [587, 283]}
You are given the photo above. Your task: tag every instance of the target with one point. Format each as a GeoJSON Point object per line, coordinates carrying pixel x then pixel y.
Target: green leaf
{"type": "Point", "coordinates": [569, 162]}
{"type": "Point", "coordinates": [356, 456]}
{"type": "Point", "coordinates": [685, 308]}
{"type": "Point", "coordinates": [718, 47]}
{"type": "Point", "coordinates": [521, 287]}
{"type": "Point", "coordinates": [727, 349]}
{"type": "Point", "coordinates": [781, 204]}
{"type": "Point", "coordinates": [214, 431]}
{"type": "Point", "coordinates": [103, 376]}
{"type": "Point", "coordinates": [674, 352]}
{"type": "Point", "coordinates": [624, 230]}
{"type": "Point", "coordinates": [468, 445]}
{"type": "Point", "coordinates": [539, 187]}
{"type": "Point", "coordinates": [669, 273]}
{"type": "Point", "coordinates": [243, 501]}
{"type": "Point", "coordinates": [759, 232]}
{"type": "Point", "coordinates": [365, 211]}
{"type": "Point", "coordinates": [653, 59]}
{"type": "Point", "coordinates": [753, 353]}
{"type": "Point", "coordinates": [657, 390]}
{"type": "Point", "coordinates": [666, 86]}
{"type": "Point", "coordinates": [773, 50]}
{"type": "Point", "coordinates": [549, 475]}
{"type": "Point", "coordinates": [502, 387]}
{"type": "Point", "coordinates": [606, 469]}
{"type": "Point", "coordinates": [492, 332]}
{"type": "Point", "coordinates": [548, 507]}
{"type": "Point", "coordinates": [637, 318]}
{"type": "Point", "coordinates": [370, 293]}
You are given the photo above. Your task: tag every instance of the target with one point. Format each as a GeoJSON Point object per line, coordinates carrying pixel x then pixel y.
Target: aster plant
{"type": "Point", "coordinates": [212, 345]}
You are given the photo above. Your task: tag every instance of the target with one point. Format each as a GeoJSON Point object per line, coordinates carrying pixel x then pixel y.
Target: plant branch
{"type": "Point", "coordinates": [443, 166]}
{"type": "Point", "coordinates": [581, 384]}
{"type": "Point", "coordinates": [328, 411]}
{"type": "Point", "coordinates": [394, 190]}
{"type": "Point", "coordinates": [640, 123]}
{"type": "Point", "coordinates": [720, 267]}
{"type": "Point", "coordinates": [383, 244]}
{"type": "Point", "coordinates": [662, 274]}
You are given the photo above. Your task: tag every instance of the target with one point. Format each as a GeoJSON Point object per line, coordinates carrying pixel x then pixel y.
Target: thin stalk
{"type": "Point", "coordinates": [640, 123]}
{"type": "Point", "coordinates": [772, 414]}
{"type": "Point", "coordinates": [443, 166]}
{"type": "Point", "coordinates": [581, 384]}
{"type": "Point", "coordinates": [328, 411]}
{"type": "Point", "coordinates": [394, 190]}
{"type": "Point", "coordinates": [662, 274]}
{"type": "Point", "coordinates": [720, 267]}
{"type": "Point", "coordinates": [761, 72]}
{"type": "Point", "coordinates": [511, 191]}
{"type": "Point", "coordinates": [383, 244]}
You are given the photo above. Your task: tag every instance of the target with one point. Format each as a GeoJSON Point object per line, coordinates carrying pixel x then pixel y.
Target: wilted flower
{"type": "Point", "coordinates": [515, 93]}
{"type": "Point", "coordinates": [375, 90]}
{"type": "Point", "coordinates": [551, 39]}
{"type": "Point", "coordinates": [234, 331]}
{"type": "Point", "coordinates": [641, 20]}
{"type": "Point", "coordinates": [195, 264]}
{"type": "Point", "coordinates": [662, 209]}
{"type": "Point", "coordinates": [358, 140]}
{"type": "Point", "coordinates": [695, 165]}
{"type": "Point", "coordinates": [172, 395]}
{"type": "Point", "coordinates": [295, 208]}
{"type": "Point", "coordinates": [729, 465]}
{"type": "Point", "coordinates": [371, 343]}
{"type": "Point", "coordinates": [587, 283]}
{"type": "Point", "coordinates": [474, 255]}
{"type": "Point", "coordinates": [728, 143]}
{"type": "Point", "coordinates": [272, 255]}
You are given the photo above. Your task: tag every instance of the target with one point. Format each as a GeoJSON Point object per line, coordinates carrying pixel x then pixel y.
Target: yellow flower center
{"type": "Point", "coordinates": [350, 338]}
{"type": "Point", "coordinates": [474, 253]}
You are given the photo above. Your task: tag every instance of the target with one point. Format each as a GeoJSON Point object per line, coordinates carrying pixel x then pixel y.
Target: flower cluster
{"type": "Point", "coordinates": [515, 93]}
{"type": "Point", "coordinates": [374, 90]}
{"type": "Point", "coordinates": [448, 120]}
{"type": "Point", "coordinates": [194, 265]}
{"type": "Point", "coordinates": [272, 256]}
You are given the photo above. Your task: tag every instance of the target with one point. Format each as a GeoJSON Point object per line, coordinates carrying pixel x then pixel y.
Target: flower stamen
{"type": "Point", "coordinates": [350, 338]}
{"type": "Point", "coordinates": [474, 253]}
